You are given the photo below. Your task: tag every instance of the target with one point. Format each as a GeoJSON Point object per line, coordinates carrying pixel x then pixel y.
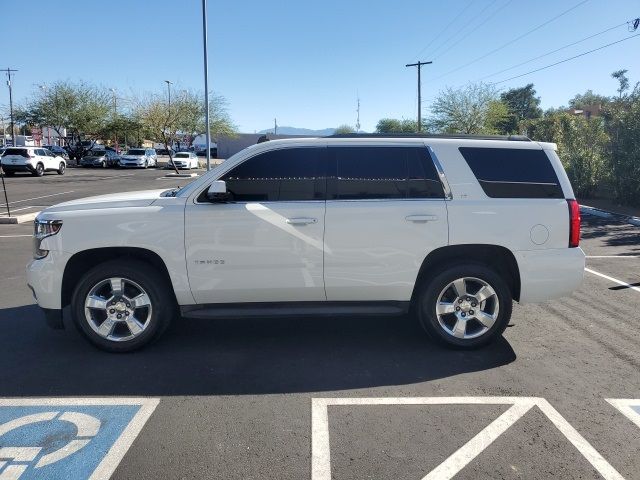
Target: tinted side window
{"type": "Point", "coordinates": [382, 172]}
{"type": "Point", "coordinates": [513, 173]}
{"type": "Point", "coordinates": [279, 175]}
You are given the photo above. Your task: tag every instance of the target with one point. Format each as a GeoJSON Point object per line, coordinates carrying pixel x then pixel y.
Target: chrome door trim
{"type": "Point", "coordinates": [443, 178]}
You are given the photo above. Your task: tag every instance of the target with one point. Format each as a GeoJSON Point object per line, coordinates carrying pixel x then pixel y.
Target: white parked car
{"type": "Point", "coordinates": [34, 160]}
{"type": "Point", "coordinates": [139, 157]}
{"type": "Point", "coordinates": [184, 160]}
{"type": "Point", "coordinates": [450, 229]}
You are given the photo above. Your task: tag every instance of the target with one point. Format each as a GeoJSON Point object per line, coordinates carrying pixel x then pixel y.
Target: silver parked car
{"type": "Point", "coordinates": [139, 157]}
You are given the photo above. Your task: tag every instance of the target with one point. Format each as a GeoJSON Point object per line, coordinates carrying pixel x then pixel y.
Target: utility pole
{"type": "Point", "coordinates": [358, 119]}
{"type": "Point", "coordinates": [9, 71]}
{"type": "Point", "coordinates": [275, 126]}
{"type": "Point", "coordinates": [419, 65]}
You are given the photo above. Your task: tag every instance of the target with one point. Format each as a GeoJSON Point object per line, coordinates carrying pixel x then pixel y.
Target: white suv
{"type": "Point", "coordinates": [450, 229]}
{"type": "Point", "coordinates": [35, 160]}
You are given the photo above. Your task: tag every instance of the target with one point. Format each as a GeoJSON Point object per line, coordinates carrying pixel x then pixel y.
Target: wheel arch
{"type": "Point", "coordinates": [496, 257]}
{"type": "Point", "coordinates": [81, 262]}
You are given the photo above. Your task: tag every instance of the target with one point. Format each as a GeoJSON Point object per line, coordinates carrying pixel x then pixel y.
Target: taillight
{"type": "Point", "coordinates": [574, 223]}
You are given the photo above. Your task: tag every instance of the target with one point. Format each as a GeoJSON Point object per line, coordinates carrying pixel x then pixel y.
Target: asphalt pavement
{"type": "Point", "coordinates": [244, 399]}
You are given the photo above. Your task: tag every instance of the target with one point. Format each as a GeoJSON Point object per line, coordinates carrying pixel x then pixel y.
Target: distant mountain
{"type": "Point", "coordinates": [301, 131]}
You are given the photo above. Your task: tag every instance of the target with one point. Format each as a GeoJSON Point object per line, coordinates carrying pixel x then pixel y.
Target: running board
{"type": "Point", "coordinates": [293, 309]}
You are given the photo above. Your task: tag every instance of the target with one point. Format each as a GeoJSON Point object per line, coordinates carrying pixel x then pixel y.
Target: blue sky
{"type": "Point", "coordinates": [305, 63]}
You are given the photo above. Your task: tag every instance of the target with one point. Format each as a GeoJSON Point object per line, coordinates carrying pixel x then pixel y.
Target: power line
{"type": "Point", "coordinates": [554, 51]}
{"type": "Point", "coordinates": [477, 26]}
{"type": "Point", "coordinates": [464, 9]}
{"type": "Point", "coordinates": [513, 41]}
{"type": "Point", "coordinates": [567, 59]}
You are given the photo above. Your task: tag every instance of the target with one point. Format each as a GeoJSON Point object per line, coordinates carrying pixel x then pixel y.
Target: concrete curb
{"type": "Point", "coordinates": [15, 219]}
{"type": "Point", "coordinates": [598, 212]}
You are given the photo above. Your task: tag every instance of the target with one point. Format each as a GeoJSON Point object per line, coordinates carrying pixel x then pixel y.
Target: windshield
{"type": "Point", "coordinates": [181, 155]}
{"type": "Point", "coordinates": [136, 151]}
{"type": "Point", "coordinates": [96, 154]}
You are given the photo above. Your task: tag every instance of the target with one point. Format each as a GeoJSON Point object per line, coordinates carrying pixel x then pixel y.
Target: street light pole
{"type": "Point", "coordinates": [169, 83]}
{"type": "Point", "coordinates": [13, 133]}
{"type": "Point", "coordinates": [206, 84]}
{"type": "Point", "coordinates": [115, 117]}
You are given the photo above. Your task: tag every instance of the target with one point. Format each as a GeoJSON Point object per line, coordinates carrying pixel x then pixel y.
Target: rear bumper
{"type": "Point", "coordinates": [550, 273]}
{"type": "Point", "coordinates": [18, 168]}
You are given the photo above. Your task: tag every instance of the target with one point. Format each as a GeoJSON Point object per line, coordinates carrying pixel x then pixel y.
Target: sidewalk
{"type": "Point", "coordinates": [608, 209]}
{"type": "Point", "coordinates": [610, 206]}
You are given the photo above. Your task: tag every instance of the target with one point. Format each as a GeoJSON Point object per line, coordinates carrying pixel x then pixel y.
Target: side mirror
{"type": "Point", "coordinates": [217, 191]}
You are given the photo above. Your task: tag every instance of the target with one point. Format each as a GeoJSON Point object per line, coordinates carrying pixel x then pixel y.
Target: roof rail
{"type": "Point", "coordinates": [513, 138]}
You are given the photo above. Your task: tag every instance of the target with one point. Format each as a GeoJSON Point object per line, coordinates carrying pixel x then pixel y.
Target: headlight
{"type": "Point", "coordinates": [42, 230]}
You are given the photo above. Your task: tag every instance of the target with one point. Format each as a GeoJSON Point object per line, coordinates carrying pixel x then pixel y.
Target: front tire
{"type": "Point", "coordinates": [464, 306]}
{"type": "Point", "coordinates": [122, 306]}
{"type": "Point", "coordinates": [61, 168]}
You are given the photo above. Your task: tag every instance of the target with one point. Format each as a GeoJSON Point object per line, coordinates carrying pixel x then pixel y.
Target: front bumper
{"type": "Point", "coordinates": [44, 278]}
{"type": "Point", "coordinates": [549, 273]}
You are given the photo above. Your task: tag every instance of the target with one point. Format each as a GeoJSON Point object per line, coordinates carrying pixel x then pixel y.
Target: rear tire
{"type": "Point", "coordinates": [39, 171]}
{"type": "Point", "coordinates": [61, 168]}
{"type": "Point", "coordinates": [128, 316]}
{"type": "Point", "coordinates": [468, 319]}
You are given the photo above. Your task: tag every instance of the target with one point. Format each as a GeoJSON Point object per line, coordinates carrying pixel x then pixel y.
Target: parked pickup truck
{"type": "Point", "coordinates": [449, 229]}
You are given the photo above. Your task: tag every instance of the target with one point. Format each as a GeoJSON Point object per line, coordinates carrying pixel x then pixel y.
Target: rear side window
{"type": "Point", "coordinates": [362, 173]}
{"type": "Point", "coordinates": [279, 175]}
{"type": "Point", "coordinates": [513, 173]}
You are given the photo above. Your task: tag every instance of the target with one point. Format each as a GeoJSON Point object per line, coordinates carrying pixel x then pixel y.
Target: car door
{"type": "Point", "coordinates": [265, 244]}
{"type": "Point", "coordinates": [44, 158]}
{"type": "Point", "coordinates": [385, 213]}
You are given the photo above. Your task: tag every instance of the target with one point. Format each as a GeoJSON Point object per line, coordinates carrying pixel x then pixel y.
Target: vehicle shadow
{"type": "Point", "coordinates": [231, 357]}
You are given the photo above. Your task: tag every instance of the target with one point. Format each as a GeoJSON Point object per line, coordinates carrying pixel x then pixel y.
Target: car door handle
{"type": "Point", "coordinates": [301, 221]}
{"type": "Point", "coordinates": [421, 218]}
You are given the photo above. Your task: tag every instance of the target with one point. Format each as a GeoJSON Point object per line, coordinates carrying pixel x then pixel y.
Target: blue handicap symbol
{"type": "Point", "coordinates": [59, 441]}
{"type": "Point", "coordinates": [636, 408]}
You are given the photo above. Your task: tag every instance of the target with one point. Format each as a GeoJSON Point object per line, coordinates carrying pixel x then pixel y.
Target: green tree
{"type": "Point", "coordinates": [185, 117]}
{"type": "Point", "coordinates": [474, 109]}
{"type": "Point", "coordinates": [344, 129]}
{"type": "Point", "coordinates": [522, 104]}
{"type": "Point", "coordinates": [582, 147]}
{"type": "Point", "coordinates": [588, 99]}
{"type": "Point", "coordinates": [392, 125]}
{"type": "Point", "coordinates": [82, 109]}
{"type": "Point", "coordinates": [622, 121]}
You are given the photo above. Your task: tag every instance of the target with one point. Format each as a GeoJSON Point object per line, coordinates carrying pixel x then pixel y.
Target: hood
{"type": "Point", "coordinates": [132, 157]}
{"type": "Point", "coordinates": [113, 200]}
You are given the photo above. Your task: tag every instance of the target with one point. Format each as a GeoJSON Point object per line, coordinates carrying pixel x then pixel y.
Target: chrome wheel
{"type": "Point", "coordinates": [118, 309]}
{"type": "Point", "coordinates": [467, 308]}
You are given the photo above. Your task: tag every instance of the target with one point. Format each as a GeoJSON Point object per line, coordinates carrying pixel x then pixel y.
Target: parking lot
{"type": "Point", "coordinates": [342, 397]}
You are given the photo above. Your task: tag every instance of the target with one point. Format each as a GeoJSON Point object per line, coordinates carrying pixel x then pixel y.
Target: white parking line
{"type": "Point", "coordinates": [14, 236]}
{"type": "Point", "coordinates": [35, 198]}
{"type": "Point", "coordinates": [320, 447]}
{"type": "Point", "coordinates": [19, 209]}
{"type": "Point", "coordinates": [613, 256]}
{"type": "Point", "coordinates": [614, 280]}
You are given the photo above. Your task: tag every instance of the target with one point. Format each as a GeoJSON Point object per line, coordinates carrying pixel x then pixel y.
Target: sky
{"type": "Point", "coordinates": [307, 63]}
